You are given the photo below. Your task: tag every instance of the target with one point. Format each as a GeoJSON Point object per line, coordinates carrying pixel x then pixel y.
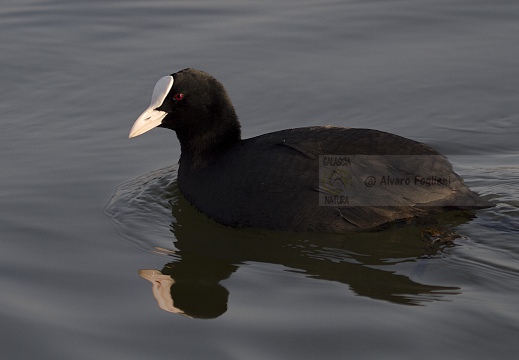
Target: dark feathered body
{"type": "Point", "coordinates": [273, 180]}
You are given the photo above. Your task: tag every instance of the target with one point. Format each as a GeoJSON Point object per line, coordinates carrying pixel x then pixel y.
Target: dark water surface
{"type": "Point", "coordinates": [84, 210]}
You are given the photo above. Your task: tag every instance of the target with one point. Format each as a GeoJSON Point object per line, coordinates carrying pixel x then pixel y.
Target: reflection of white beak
{"type": "Point", "coordinates": [151, 117]}
{"type": "Point", "coordinates": [161, 289]}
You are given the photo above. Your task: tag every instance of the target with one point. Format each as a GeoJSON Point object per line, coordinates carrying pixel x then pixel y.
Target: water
{"type": "Point", "coordinates": [83, 209]}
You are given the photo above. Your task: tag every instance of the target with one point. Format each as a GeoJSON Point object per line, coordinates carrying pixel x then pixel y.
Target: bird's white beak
{"type": "Point", "coordinates": [151, 117]}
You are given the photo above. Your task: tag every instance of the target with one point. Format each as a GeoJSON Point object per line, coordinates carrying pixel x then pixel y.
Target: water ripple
{"type": "Point", "coordinates": [141, 208]}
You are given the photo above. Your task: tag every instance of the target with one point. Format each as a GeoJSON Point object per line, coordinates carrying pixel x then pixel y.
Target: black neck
{"type": "Point", "coordinates": [201, 149]}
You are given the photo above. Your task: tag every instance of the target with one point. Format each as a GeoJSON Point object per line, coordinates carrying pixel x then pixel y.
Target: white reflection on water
{"type": "Point", "coordinates": [161, 288]}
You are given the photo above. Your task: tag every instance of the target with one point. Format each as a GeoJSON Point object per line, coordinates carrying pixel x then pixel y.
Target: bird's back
{"type": "Point", "coordinates": [276, 181]}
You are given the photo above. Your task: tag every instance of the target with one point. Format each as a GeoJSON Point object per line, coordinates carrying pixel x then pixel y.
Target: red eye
{"type": "Point", "coordinates": [178, 96]}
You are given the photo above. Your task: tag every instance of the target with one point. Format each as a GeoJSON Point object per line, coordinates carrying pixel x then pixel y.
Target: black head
{"type": "Point", "coordinates": [196, 106]}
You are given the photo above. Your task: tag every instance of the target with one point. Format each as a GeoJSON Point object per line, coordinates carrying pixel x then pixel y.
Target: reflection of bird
{"type": "Point", "coordinates": [177, 292]}
{"type": "Point", "coordinates": [187, 287]}
{"type": "Point", "coordinates": [204, 254]}
{"type": "Point", "coordinates": [162, 290]}
{"type": "Point", "coordinates": [208, 253]}
{"type": "Point", "coordinates": [272, 181]}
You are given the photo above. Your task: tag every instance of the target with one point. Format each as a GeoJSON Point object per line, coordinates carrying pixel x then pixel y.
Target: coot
{"type": "Point", "coordinates": [319, 178]}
